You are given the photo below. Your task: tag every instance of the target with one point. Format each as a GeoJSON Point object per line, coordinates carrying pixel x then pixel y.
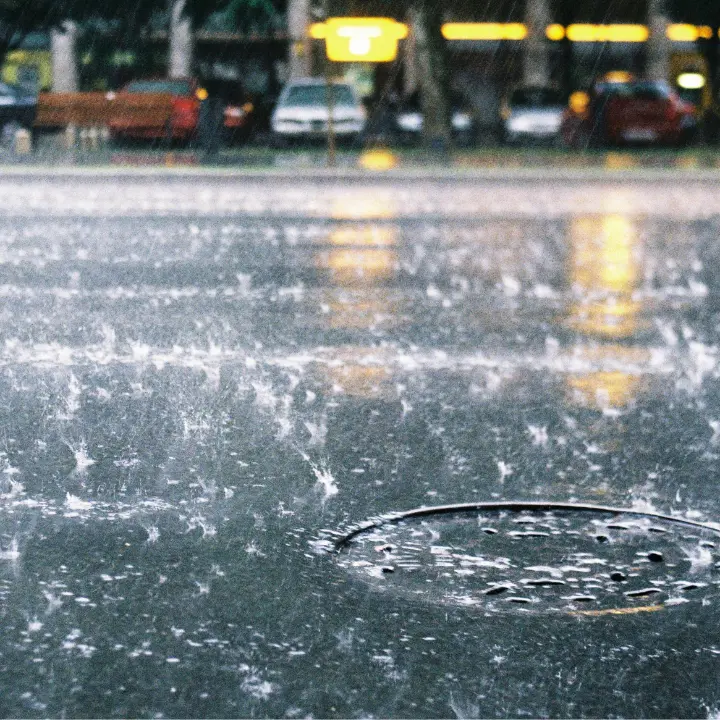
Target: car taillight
{"type": "Point", "coordinates": [184, 105]}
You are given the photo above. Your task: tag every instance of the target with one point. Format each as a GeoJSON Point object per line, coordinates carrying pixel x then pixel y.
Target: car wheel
{"type": "Point", "coordinates": [464, 139]}
{"type": "Point", "coordinates": [557, 142]}
{"type": "Point", "coordinates": [278, 142]}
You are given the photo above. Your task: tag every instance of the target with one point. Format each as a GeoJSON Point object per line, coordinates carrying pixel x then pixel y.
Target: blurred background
{"type": "Point", "coordinates": [550, 72]}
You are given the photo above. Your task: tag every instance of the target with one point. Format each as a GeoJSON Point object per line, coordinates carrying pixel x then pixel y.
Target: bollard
{"type": "Point", "coordinates": [70, 137]}
{"type": "Point", "coordinates": [83, 138]}
{"type": "Point", "coordinates": [93, 138]}
{"type": "Point", "coordinates": [23, 141]}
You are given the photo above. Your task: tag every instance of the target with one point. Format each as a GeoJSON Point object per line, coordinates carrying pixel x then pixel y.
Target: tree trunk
{"type": "Point", "coordinates": [180, 42]}
{"type": "Point", "coordinates": [433, 77]}
{"type": "Point", "coordinates": [566, 16]}
{"type": "Point", "coordinates": [658, 45]}
{"type": "Point", "coordinates": [298, 14]}
{"type": "Point", "coordinates": [64, 60]}
{"type": "Point", "coordinates": [536, 50]}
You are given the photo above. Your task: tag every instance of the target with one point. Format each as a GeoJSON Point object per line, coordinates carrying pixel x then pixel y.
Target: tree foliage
{"type": "Point", "coordinates": [19, 17]}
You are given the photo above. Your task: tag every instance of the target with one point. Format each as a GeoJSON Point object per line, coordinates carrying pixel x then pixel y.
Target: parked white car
{"type": "Point", "coordinates": [532, 113]}
{"type": "Point", "coordinates": [302, 111]}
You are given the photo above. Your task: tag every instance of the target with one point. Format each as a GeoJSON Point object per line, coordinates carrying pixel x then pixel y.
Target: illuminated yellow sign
{"type": "Point", "coordinates": [682, 32]}
{"type": "Point", "coordinates": [484, 31]}
{"type": "Point", "coordinates": [356, 39]}
{"type": "Point", "coordinates": [607, 33]}
{"type": "Point", "coordinates": [555, 32]}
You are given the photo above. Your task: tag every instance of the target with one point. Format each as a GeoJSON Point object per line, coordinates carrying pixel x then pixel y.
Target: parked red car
{"type": "Point", "coordinates": [170, 109]}
{"type": "Point", "coordinates": [628, 112]}
{"type": "Point", "coordinates": [153, 120]}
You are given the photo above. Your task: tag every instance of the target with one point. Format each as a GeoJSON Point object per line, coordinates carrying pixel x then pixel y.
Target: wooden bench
{"type": "Point", "coordinates": [94, 109]}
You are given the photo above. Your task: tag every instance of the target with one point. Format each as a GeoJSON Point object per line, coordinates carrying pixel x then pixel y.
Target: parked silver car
{"type": "Point", "coordinates": [302, 111]}
{"type": "Point", "coordinates": [532, 114]}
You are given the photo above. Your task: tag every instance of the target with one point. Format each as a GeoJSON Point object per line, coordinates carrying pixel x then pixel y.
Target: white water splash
{"type": "Point", "coordinates": [700, 558]}
{"type": "Point", "coordinates": [504, 469]}
{"type": "Point", "coordinates": [82, 460]}
{"type": "Point", "coordinates": [538, 434]}
{"type": "Point", "coordinates": [72, 502]}
{"type": "Point", "coordinates": [12, 553]}
{"type": "Point", "coordinates": [324, 477]}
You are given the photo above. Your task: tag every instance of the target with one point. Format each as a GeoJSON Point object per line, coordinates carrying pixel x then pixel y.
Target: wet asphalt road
{"type": "Point", "coordinates": [202, 377]}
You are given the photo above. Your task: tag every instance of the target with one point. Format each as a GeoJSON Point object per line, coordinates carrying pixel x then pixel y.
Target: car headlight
{"type": "Point", "coordinates": [410, 122]}
{"type": "Point", "coordinates": [461, 121]}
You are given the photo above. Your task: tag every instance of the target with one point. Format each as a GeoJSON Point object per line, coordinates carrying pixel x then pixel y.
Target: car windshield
{"type": "Point", "coordinates": [536, 97]}
{"type": "Point", "coordinates": [314, 95]}
{"type": "Point", "coordinates": [173, 87]}
{"type": "Point", "coordinates": [8, 90]}
{"type": "Point", "coordinates": [637, 90]}
{"type": "Point", "coordinates": [412, 103]}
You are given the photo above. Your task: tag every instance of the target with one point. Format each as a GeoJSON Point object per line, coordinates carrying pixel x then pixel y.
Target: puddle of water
{"type": "Point", "coordinates": [533, 557]}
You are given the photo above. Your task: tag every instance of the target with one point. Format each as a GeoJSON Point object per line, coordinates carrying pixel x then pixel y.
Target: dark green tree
{"type": "Point", "coordinates": [19, 17]}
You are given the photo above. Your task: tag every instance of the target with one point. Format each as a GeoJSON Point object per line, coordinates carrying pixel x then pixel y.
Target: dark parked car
{"type": "Point", "coordinates": [631, 111]}
{"type": "Point", "coordinates": [243, 114]}
{"type": "Point", "coordinates": [409, 121]}
{"type": "Point", "coordinates": [18, 107]}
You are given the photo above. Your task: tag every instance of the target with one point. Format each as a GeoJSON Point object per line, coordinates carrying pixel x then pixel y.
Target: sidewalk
{"type": "Point", "coordinates": [483, 163]}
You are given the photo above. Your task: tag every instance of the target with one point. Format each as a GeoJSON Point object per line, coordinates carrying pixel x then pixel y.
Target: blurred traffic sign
{"type": "Point", "coordinates": [360, 39]}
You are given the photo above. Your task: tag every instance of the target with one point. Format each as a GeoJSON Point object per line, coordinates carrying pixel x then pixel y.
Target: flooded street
{"type": "Point", "coordinates": [206, 380]}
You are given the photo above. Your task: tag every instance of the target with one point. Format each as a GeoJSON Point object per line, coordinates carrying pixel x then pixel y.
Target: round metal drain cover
{"type": "Point", "coordinates": [536, 557]}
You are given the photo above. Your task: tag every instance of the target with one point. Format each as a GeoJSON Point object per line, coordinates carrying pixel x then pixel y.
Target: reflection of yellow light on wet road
{"type": "Point", "coordinates": [619, 611]}
{"type": "Point", "coordinates": [361, 261]}
{"type": "Point", "coordinates": [603, 256]}
{"type": "Point", "coordinates": [616, 381]}
{"type": "Point", "coordinates": [617, 271]}
{"type": "Point", "coordinates": [603, 390]}
{"type": "Point", "coordinates": [612, 319]}
{"type": "Point", "coordinates": [359, 371]}
{"type": "Point", "coordinates": [360, 266]}
{"type": "Point", "coordinates": [361, 380]}
{"type": "Point", "coordinates": [363, 205]}
{"type": "Point", "coordinates": [360, 255]}
{"type": "Point", "coordinates": [369, 236]}
{"type": "Point", "coordinates": [378, 160]}
{"type": "Point", "coordinates": [376, 310]}
{"type": "Point", "coordinates": [604, 269]}
{"type": "Point", "coordinates": [604, 272]}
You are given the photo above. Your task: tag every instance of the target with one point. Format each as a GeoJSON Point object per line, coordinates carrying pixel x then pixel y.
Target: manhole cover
{"type": "Point", "coordinates": [536, 557]}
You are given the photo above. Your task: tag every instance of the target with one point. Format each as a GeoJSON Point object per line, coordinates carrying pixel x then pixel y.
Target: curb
{"type": "Point", "coordinates": [429, 174]}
